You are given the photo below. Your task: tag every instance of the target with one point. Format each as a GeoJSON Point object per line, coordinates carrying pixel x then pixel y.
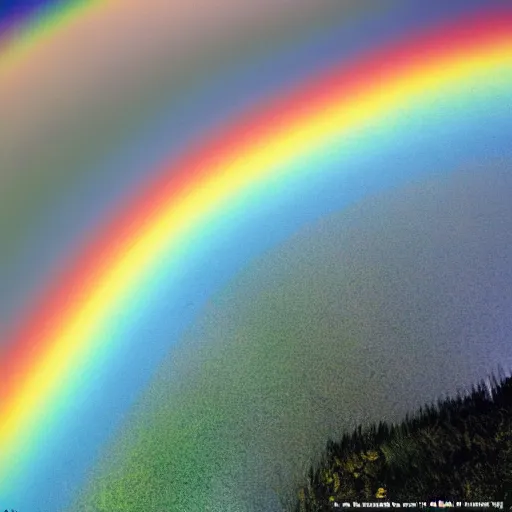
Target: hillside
{"type": "Point", "coordinates": [457, 449]}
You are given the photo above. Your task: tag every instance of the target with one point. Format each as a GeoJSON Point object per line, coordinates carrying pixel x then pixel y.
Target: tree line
{"type": "Point", "coordinates": [456, 449]}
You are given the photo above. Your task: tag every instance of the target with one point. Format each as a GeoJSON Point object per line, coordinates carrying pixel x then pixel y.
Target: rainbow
{"type": "Point", "coordinates": [24, 24]}
{"type": "Point", "coordinates": [441, 97]}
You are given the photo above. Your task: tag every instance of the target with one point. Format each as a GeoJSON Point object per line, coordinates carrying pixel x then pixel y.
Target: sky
{"type": "Point", "coordinates": [378, 281]}
{"type": "Point", "coordinates": [121, 88]}
{"type": "Point", "coordinates": [363, 316]}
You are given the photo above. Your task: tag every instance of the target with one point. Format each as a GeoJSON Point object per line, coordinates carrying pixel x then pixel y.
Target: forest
{"type": "Point", "coordinates": [454, 450]}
